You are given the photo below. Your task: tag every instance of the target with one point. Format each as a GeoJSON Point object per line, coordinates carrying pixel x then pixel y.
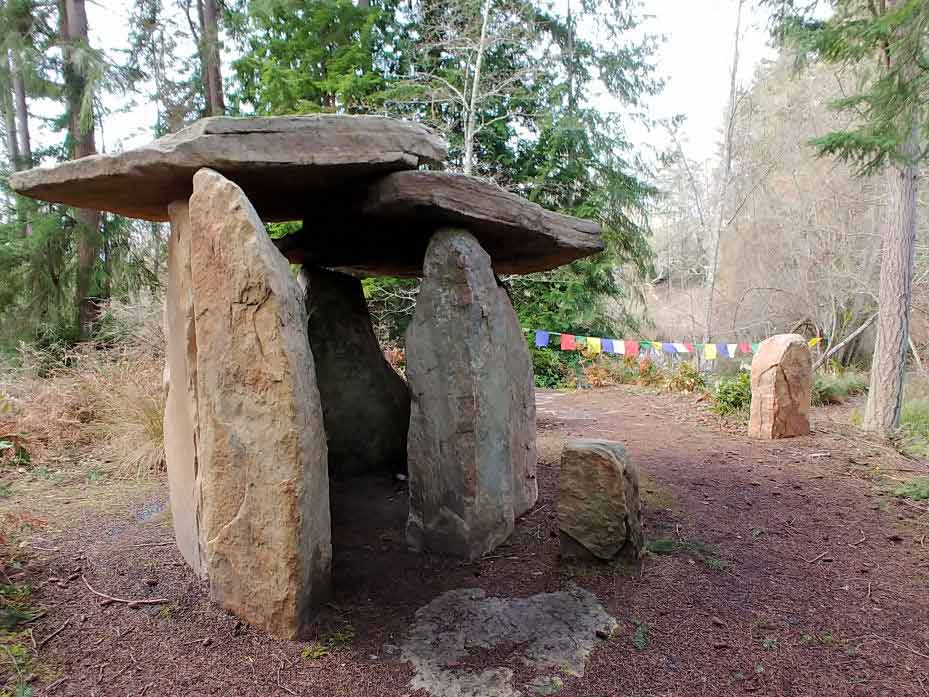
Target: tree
{"type": "Point", "coordinates": [890, 130]}
{"type": "Point", "coordinates": [80, 115]}
{"type": "Point", "coordinates": [209, 57]}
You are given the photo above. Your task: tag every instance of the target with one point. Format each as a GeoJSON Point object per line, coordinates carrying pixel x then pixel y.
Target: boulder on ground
{"type": "Point", "coordinates": [599, 510]}
{"type": "Point", "coordinates": [261, 446]}
{"type": "Point", "coordinates": [782, 384]}
{"type": "Point", "coordinates": [366, 405]}
{"type": "Point", "coordinates": [464, 417]}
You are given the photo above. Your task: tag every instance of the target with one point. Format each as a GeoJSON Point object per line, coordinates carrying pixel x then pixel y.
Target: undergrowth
{"type": "Point", "coordinates": [100, 401]}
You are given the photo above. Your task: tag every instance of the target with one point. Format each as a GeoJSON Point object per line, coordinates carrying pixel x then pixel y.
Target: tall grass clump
{"type": "Point", "coordinates": [100, 400]}
{"type": "Point", "coordinates": [914, 427]}
{"type": "Point", "coordinates": [836, 386]}
{"type": "Point", "coordinates": [733, 396]}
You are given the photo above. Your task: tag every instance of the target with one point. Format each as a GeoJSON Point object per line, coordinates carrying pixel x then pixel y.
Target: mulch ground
{"type": "Point", "coordinates": [780, 568]}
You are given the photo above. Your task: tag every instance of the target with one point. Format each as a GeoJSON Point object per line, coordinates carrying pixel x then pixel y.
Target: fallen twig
{"type": "Point", "coordinates": [54, 686]}
{"type": "Point", "coordinates": [153, 544]}
{"type": "Point", "coordinates": [53, 634]}
{"type": "Point", "coordinates": [863, 538]}
{"type": "Point", "coordinates": [898, 644]}
{"type": "Point", "coordinates": [816, 558]}
{"type": "Point", "coordinates": [128, 601]}
{"type": "Point", "coordinates": [282, 685]}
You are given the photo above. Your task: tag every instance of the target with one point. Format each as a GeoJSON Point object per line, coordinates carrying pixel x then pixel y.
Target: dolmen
{"type": "Point", "coordinates": [782, 388]}
{"type": "Point", "coordinates": [275, 381]}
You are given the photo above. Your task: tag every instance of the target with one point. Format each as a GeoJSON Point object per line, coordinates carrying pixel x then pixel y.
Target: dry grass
{"type": "Point", "coordinates": [100, 401]}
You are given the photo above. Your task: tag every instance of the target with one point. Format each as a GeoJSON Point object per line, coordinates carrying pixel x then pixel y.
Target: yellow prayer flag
{"type": "Point", "coordinates": [593, 345]}
{"type": "Point", "coordinates": [709, 352]}
{"type": "Point", "coordinates": [814, 341]}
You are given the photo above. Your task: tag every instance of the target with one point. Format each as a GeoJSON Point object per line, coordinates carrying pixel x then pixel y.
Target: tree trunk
{"type": "Point", "coordinates": [471, 117]}
{"type": "Point", "coordinates": [727, 174]}
{"type": "Point", "coordinates": [74, 30]}
{"type": "Point", "coordinates": [212, 74]}
{"type": "Point", "coordinates": [885, 396]}
{"type": "Point", "coordinates": [22, 113]}
{"type": "Point", "coordinates": [9, 123]}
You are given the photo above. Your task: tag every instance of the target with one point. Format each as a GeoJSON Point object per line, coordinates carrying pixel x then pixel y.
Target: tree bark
{"type": "Point", "coordinates": [74, 31]}
{"type": "Point", "coordinates": [885, 396]}
{"type": "Point", "coordinates": [22, 112]}
{"type": "Point", "coordinates": [212, 74]}
{"type": "Point", "coordinates": [9, 122]}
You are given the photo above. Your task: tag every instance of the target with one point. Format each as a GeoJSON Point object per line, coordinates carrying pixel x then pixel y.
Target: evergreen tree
{"type": "Point", "coordinates": [888, 41]}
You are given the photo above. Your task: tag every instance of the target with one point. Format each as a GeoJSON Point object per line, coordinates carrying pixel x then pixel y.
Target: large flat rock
{"type": "Point", "coordinates": [384, 229]}
{"type": "Point", "coordinates": [277, 161]}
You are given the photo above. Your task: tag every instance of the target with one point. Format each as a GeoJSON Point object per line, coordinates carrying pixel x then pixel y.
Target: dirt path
{"type": "Point", "coordinates": [780, 569]}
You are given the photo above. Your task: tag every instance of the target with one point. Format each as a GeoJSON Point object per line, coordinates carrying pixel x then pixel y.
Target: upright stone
{"type": "Point", "coordinates": [366, 405]}
{"type": "Point", "coordinates": [782, 383]}
{"type": "Point", "coordinates": [599, 509]}
{"type": "Point", "coordinates": [464, 424]}
{"type": "Point", "coordinates": [261, 448]}
{"type": "Point", "coordinates": [522, 409]}
{"type": "Point", "coordinates": [180, 422]}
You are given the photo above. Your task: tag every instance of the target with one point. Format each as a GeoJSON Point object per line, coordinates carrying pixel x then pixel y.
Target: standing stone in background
{"type": "Point", "coordinates": [599, 510]}
{"type": "Point", "coordinates": [262, 446]}
{"type": "Point", "coordinates": [366, 405]}
{"type": "Point", "coordinates": [180, 421]}
{"type": "Point", "coordinates": [782, 383]}
{"type": "Point", "coordinates": [465, 418]}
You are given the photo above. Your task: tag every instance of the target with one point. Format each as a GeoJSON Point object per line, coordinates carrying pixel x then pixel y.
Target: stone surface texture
{"type": "Point", "coordinates": [366, 404]}
{"type": "Point", "coordinates": [393, 219]}
{"type": "Point", "coordinates": [782, 384]}
{"type": "Point", "coordinates": [180, 421]}
{"type": "Point", "coordinates": [463, 411]}
{"type": "Point", "coordinates": [278, 161]}
{"type": "Point", "coordinates": [550, 631]}
{"type": "Point", "coordinates": [599, 509]}
{"type": "Point", "coordinates": [261, 448]}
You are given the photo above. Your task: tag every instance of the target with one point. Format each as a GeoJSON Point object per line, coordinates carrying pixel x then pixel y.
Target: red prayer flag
{"type": "Point", "coordinates": [689, 347]}
{"type": "Point", "coordinates": [567, 342]}
{"type": "Point", "coordinates": [745, 348]}
{"type": "Point", "coordinates": [632, 348]}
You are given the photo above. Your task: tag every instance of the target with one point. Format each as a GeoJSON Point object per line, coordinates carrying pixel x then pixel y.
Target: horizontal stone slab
{"type": "Point", "coordinates": [384, 229]}
{"type": "Point", "coordinates": [277, 161]}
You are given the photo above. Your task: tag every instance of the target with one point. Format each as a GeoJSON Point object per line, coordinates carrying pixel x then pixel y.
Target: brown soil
{"type": "Point", "coordinates": [789, 571]}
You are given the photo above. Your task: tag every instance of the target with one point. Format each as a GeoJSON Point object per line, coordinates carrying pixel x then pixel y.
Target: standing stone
{"type": "Point", "coordinates": [366, 405]}
{"type": "Point", "coordinates": [599, 510]}
{"type": "Point", "coordinates": [261, 446]}
{"type": "Point", "coordinates": [522, 410]}
{"type": "Point", "coordinates": [462, 420]}
{"type": "Point", "coordinates": [782, 384]}
{"type": "Point", "coordinates": [180, 422]}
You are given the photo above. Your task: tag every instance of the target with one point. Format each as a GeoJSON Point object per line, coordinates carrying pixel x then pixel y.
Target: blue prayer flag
{"type": "Point", "coordinates": [541, 338]}
{"type": "Point", "coordinates": [607, 345]}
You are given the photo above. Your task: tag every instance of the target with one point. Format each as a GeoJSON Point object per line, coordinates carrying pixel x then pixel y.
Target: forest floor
{"type": "Point", "coordinates": [777, 568]}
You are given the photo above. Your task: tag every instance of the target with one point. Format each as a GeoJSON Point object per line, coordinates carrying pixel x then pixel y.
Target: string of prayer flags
{"type": "Point", "coordinates": [620, 347]}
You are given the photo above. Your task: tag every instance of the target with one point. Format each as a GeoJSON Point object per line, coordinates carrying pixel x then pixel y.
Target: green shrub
{"type": "Point", "coordinates": [836, 387]}
{"type": "Point", "coordinates": [685, 378]}
{"type": "Point", "coordinates": [733, 396]}
{"type": "Point", "coordinates": [554, 369]}
{"type": "Point", "coordinates": [916, 489]}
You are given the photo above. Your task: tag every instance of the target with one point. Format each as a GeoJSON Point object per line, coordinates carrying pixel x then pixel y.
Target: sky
{"type": "Point", "coordinates": [694, 59]}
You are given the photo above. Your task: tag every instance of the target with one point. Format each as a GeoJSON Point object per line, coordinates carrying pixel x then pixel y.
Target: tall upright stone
{"type": "Point", "coordinates": [463, 413]}
{"type": "Point", "coordinates": [261, 446]}
{"type": "Point", "coordinates": [366, 405]}
{"type": "Point", "coordinates": [180, 421]}
{"type": "Point", "coordinates": [782, 384]}
{"type": "Point", "coordinates": [522, 409]}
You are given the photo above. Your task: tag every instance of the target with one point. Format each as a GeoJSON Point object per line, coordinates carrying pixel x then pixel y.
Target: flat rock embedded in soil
{"type": "Point", "coordinates": [548, 631]}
